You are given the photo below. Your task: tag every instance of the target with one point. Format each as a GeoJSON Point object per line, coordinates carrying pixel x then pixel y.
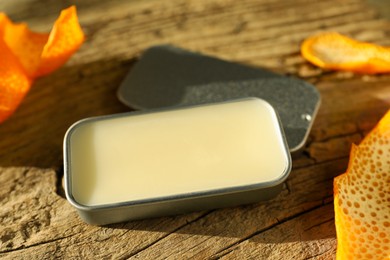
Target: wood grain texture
{"type": "Point", "coordinates": [38, 223]}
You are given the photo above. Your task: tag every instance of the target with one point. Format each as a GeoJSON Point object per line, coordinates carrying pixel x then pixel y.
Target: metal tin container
{"type": "Point", "coordinates": [241, 141]}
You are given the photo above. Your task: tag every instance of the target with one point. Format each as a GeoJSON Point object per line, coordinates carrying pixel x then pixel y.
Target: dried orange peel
{"type": "Point", "coordinates": [362, 198]}
{"type": "Point", "coordinates": [337, 52]}
{"type": "Point", "coordinates": [26, 55]}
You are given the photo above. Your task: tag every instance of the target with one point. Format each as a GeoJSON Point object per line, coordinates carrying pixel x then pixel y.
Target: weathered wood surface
{"type": "Point", "coordinates": [38, 223]}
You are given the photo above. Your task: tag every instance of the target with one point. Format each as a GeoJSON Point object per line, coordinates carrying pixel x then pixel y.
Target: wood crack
{"type": "Point", "coordinates": [36, 245]}
{"type": "Point", "coordinates": [320, 223]}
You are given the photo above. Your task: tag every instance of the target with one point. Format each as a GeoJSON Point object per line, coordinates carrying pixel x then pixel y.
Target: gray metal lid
{"type": "Point", "coordinates": [167, 76]}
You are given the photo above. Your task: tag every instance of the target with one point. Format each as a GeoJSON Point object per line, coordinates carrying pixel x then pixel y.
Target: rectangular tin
{"type": "Point", "coordinates": [175, 204]}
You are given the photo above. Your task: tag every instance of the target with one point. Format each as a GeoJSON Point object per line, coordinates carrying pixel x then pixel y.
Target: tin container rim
{"type": "Point", "coordinates": [175, 197]}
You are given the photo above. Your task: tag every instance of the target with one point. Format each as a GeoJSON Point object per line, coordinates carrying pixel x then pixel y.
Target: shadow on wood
{"type": "Point", "coordinates": [53, 104]}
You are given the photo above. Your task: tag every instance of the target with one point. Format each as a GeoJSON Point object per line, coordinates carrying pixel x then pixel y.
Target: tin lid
{"type": "Point", "coordinates": [167, 76]}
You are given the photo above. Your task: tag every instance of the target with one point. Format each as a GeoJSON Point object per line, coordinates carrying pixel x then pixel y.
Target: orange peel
{"type": "Point", "coordinates": [334, 51]}
{"type": "Point", "coordinates": [362, 198]}
{"type": "Point", "coordinates": [14, 83]}
{"type": "Point", "coordinates": [27, 55]}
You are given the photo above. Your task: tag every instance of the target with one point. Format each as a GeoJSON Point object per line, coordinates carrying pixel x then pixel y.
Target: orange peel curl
{"type": "Point", "coordinates": [362, 198]}
{"type": "Point", "coordinates": [26, 55]}
{"type": "Point", "coordinates": [334, 51]}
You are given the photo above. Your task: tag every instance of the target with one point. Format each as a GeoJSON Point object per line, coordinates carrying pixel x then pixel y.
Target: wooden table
{"type": "Point", "coordinates": [38, 223]}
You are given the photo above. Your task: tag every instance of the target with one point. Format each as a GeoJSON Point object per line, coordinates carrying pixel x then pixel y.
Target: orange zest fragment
{"type": "Point", "coordinates": [362, 198]}
{"type": "Point", "coordinates": [14, 82]}
{"type": "Point", "coordinates": [26, 45]}
{"type": "Point", "coordinates": [26, 55]}
{"type": "Point", "coordinates": [65, 38]}
{"type": "Point", "coordinates": [337, 52]}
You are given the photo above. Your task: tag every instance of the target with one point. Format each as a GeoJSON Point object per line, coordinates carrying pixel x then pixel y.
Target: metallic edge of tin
{"type": "Point", "coordinates": [118, 212]}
